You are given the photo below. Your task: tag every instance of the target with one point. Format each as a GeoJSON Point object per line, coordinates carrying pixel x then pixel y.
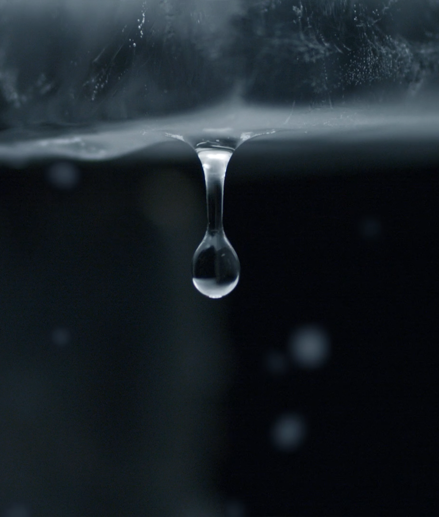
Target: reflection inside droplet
{"type": "Point", "coordinates": [215, 266]}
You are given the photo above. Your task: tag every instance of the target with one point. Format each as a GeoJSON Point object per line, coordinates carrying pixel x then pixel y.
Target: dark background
{"type": "Point", "coordinates": [357, 256]}
{"type": "Point", "coordinates": [125, 392]}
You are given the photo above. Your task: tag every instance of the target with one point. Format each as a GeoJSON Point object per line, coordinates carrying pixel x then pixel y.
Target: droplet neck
{"type": "Point", "coordinates": [214, 162]}
{"type": "Point", "coordinates": [215, 202]}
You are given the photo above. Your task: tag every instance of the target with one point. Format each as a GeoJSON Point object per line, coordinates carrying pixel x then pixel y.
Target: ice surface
{"type": "Point", "coordinates": [79, 81]}
{"type": "Point", "coordinates": [299, 126]}
{"type": "Point", "coordinates": [77, 62]}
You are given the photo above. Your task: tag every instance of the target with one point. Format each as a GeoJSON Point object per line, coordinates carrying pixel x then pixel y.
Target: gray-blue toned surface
{"type": "Point", "coordinates": [113, 370]}
{"type": "Point", "coordinates": [77, 62]}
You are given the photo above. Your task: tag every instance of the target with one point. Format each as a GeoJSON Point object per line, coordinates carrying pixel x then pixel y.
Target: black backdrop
{"type": "Point", "coordinates": [124, 392]}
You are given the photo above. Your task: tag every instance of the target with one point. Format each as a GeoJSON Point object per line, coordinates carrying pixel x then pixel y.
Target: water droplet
{"type": "Point", "coordinates": [215, 265]}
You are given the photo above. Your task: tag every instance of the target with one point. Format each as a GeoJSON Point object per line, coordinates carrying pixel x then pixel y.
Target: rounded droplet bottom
{"type": "Point", "coordinates": [213, 289]}
{"type": "Point", "coordinates": [216, 266]}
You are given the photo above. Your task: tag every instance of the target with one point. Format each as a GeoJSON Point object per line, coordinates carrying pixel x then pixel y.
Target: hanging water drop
{"type": "Point", "coordinates": [215, 266]}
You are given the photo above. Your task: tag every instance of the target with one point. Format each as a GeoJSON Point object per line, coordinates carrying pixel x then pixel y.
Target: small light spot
{"type": "Point", "coordinates": [288, 432]}
{"type": "Point", "coordinates": [17, 510]}
{"type": "Point", "coordinates": [61, 337]}
{"type": "Point", "coordinates": [63, 175]}
{"type": "Point", "coordinates": [370, 228]}
{"type": "Point", "coordinates": [168, 199]}
{"type": "Point", "coordinates": [234, 508]}
{"type": "Point", "coordinates": [309, 347]}
{"type": "Point", "coordinates": [276, 362]}
{"type": "Point", "coordinates": [25, 392]}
